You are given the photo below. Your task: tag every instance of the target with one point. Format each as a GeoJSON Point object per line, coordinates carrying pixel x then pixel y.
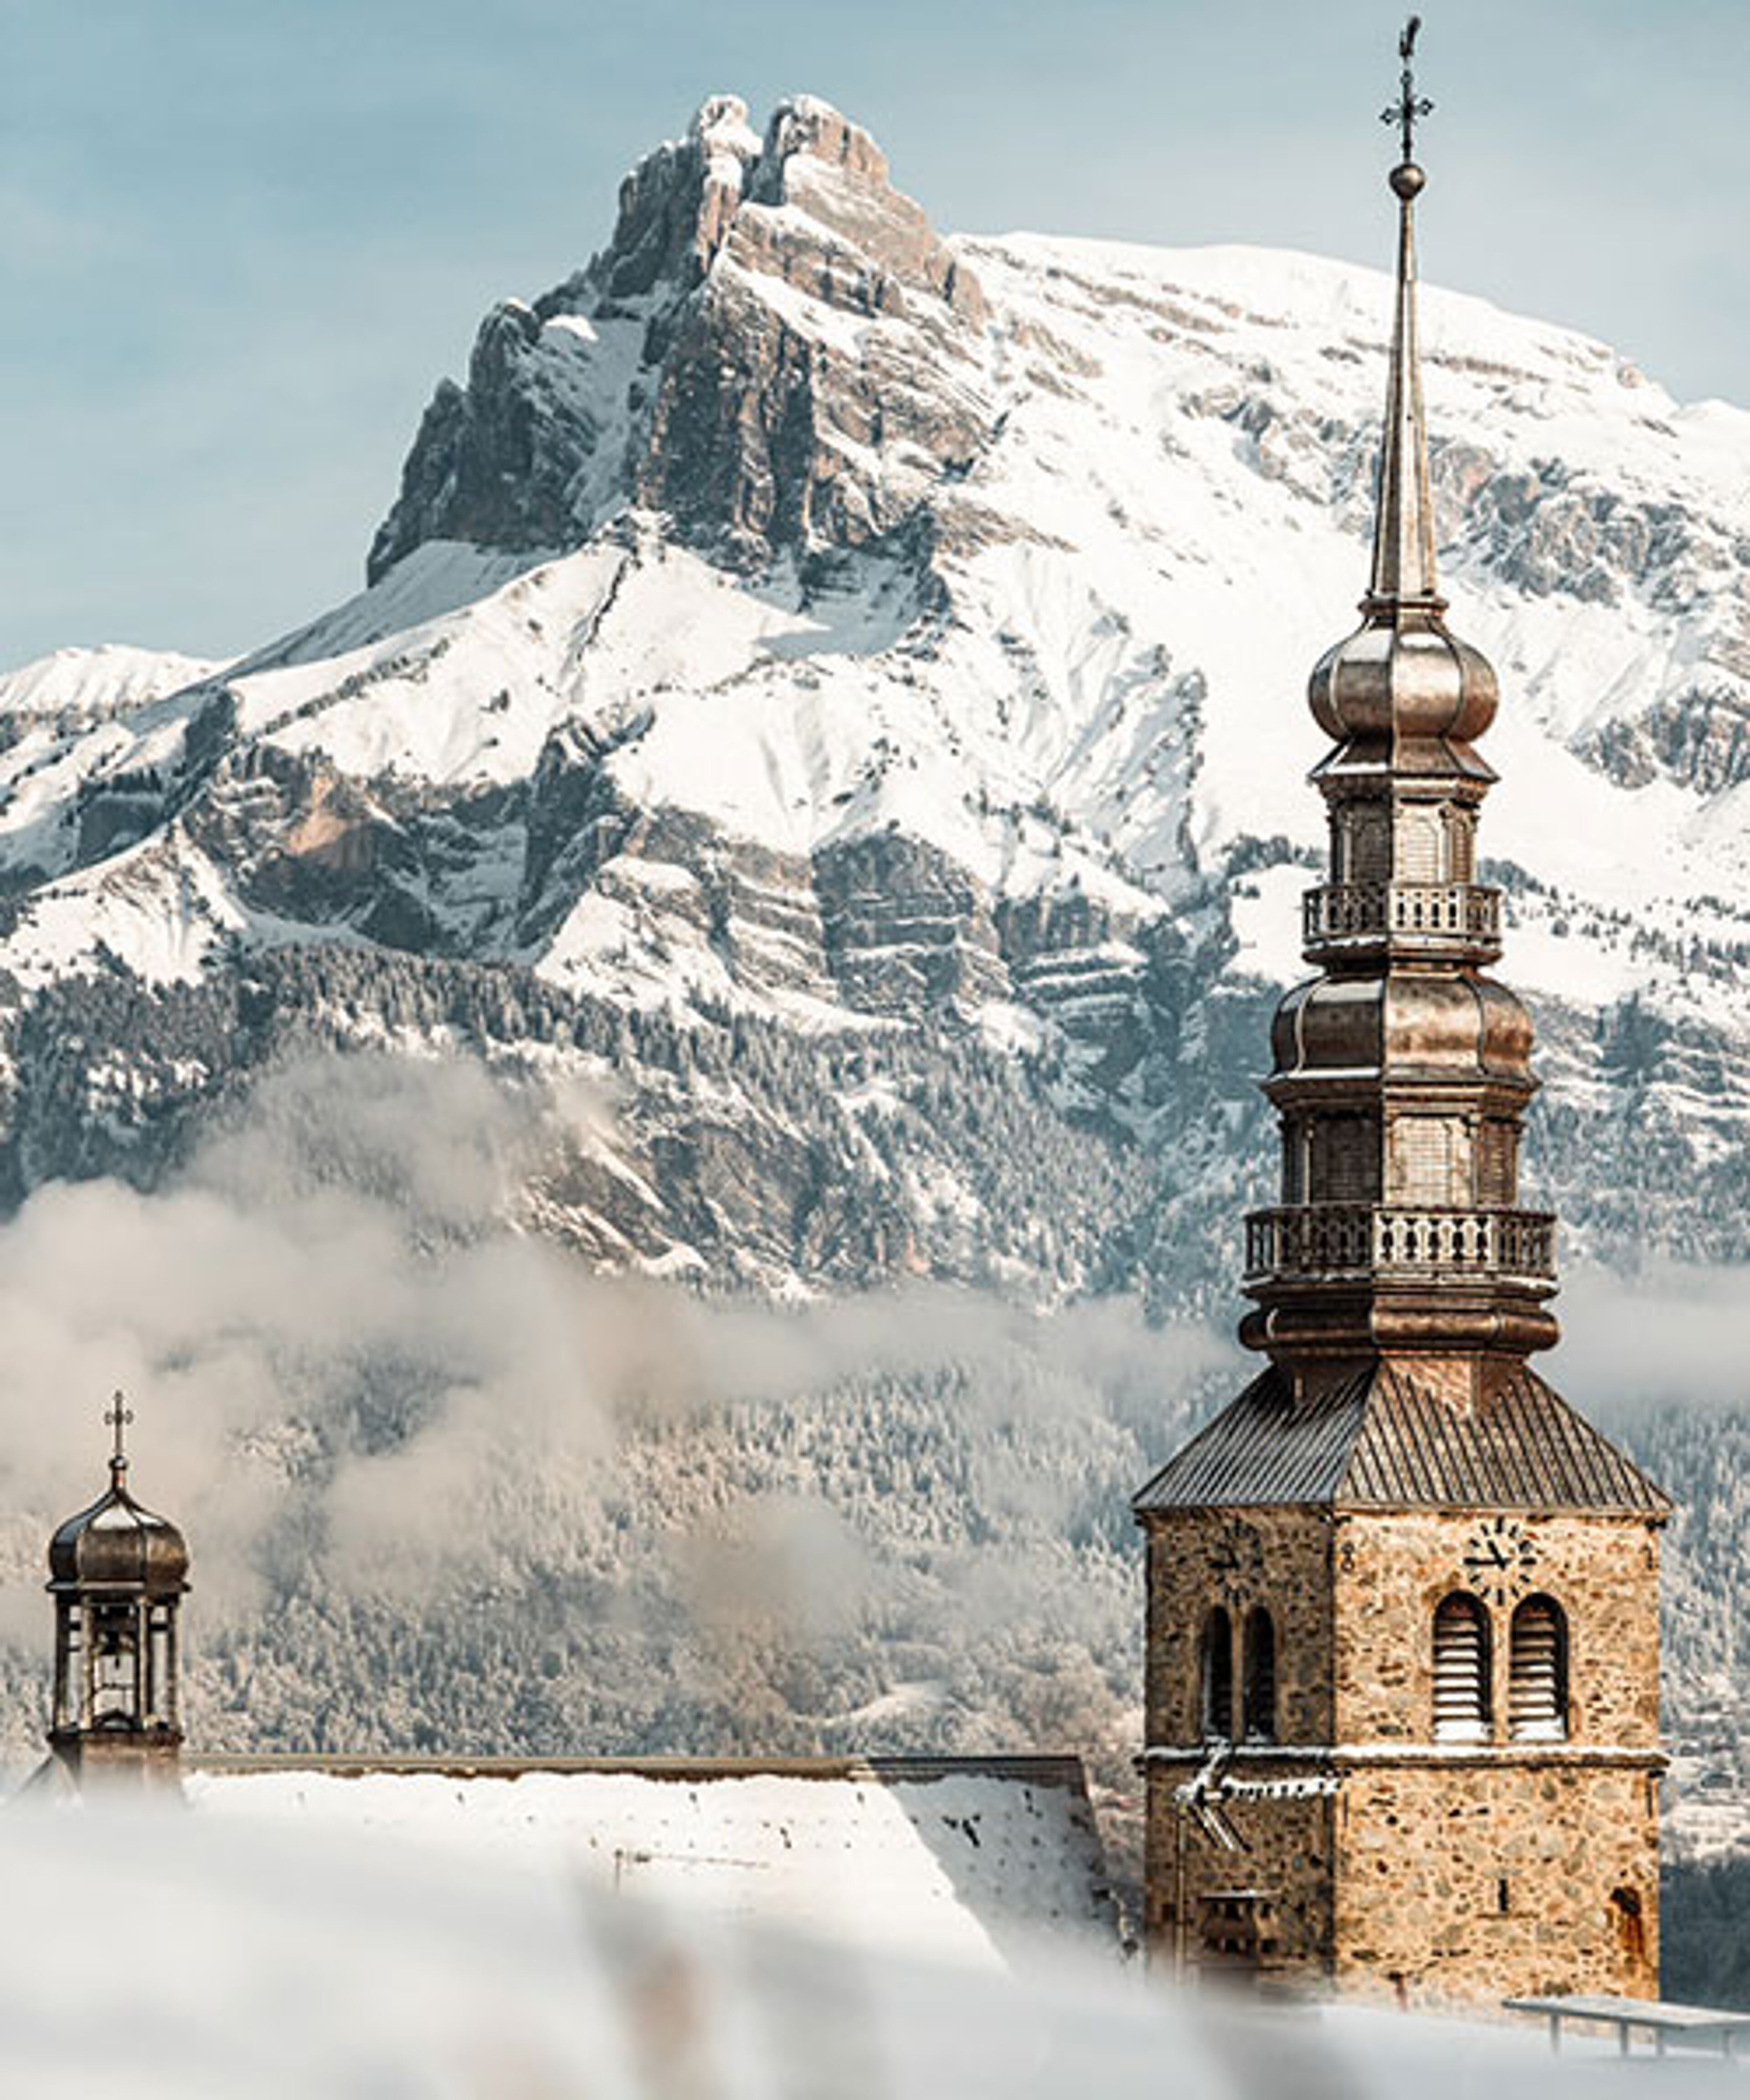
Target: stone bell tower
{"type": "Point", "coordinates": [118, 1575]}
{"type": "Point", "coordinates": [1403, 1664]}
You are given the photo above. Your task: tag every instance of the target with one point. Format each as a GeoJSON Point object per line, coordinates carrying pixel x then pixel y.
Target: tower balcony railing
{"type": "Point", "coordinates": [1317, 1240]}
{"type": "Point", "coordinates": [1424, 915]}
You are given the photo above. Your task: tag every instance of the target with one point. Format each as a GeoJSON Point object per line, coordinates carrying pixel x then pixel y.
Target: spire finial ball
{"type": "Point", "coordinates": [1406, 180]}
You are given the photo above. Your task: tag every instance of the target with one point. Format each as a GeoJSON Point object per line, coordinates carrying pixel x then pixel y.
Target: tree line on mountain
{"type": "Point", "coordinates": [1704, 1933]}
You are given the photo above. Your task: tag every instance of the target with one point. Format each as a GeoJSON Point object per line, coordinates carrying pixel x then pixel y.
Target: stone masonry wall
{"type": "Point", "coordinates": [1513, 1871]}
{"type": "Point", "coordinates": [1199, 1559]}
{"type": "Point", "coordinates": [1470, 1884]}
{"type": "Point", "coordinates": [1239, 1559]}
{"type": "Point", "coordinates": [1458, 1873]}
{"type": "Point", "coordinates": [1392, 1569]}
{"type": "Point", "coordinates": [1290, 1856]}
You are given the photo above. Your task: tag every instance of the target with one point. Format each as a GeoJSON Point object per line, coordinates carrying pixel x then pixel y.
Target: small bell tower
{"type": "Point", "coordinates": [118, 1575]}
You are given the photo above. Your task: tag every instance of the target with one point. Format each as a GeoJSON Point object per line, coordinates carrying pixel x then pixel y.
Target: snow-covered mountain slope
{"type": "Point", "coordinates": [85, 684]}
{"type": "Point", "coordinates": [802, 623]}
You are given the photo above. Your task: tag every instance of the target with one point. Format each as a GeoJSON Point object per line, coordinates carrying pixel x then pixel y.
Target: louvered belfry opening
{"type": "Point", "coordinates": [1259, 1685]}
{"type": "Point", "coordinates": [1537, 1673]}
{"type": "Point", "coordinates": [1460, 1670]}
{"type": "Point", "coordinates": [1217, 1677]}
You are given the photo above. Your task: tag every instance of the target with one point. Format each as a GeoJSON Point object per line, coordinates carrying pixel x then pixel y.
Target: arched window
{"type": "Point", "coordinates": [1218, 1676]}
{"type": "Point", "coordinates": [1460, 1670]}
{"type": "Point", "coordinates": [1259, 1684]}
{"type": "Point", "coordinates": [1537, 1673]}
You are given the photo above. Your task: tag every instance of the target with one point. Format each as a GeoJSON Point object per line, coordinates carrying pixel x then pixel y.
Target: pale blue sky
{"type": "Point", "coordinates": [240, 239]}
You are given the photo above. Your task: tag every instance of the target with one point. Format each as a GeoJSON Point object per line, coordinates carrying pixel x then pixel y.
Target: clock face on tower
{"type": "Point", "coordinates": [1499, 1558]}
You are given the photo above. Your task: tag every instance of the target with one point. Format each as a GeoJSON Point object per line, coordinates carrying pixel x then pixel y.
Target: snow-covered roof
{"type": "Point", "coordinates": [969, 1858]}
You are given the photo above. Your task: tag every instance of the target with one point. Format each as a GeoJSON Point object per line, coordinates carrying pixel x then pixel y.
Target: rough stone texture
{"type": "Point", "coordinates": [1483, 1881]}
{"type": "Point", "coordinates": [1288, 1573]}
{"type": "Point", "coordinates": [1434, 1874]}
{"type": "Point", "coordinates": [1288, 1850]}
{"type": "Point", "coordinates": [1391, 1571]}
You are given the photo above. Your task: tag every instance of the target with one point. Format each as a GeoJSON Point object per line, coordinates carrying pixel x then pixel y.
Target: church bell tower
{"type": "Point", "coordinates": [1403, 1664]}
{"type": "Point", "coordinates": [118, 1575]}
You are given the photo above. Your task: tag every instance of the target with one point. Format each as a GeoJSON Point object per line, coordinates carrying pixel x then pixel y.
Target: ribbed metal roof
{"type": "Point", "coordinates": [1382, 1440]}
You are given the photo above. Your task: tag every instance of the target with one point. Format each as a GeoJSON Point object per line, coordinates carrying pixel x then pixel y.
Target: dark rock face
{"type": "Point", "coordinates": [493, 462]}
{"type": "Point", "coordinates": [731, 357]}
{"type": "Point", "coordinates": [1704, 741]}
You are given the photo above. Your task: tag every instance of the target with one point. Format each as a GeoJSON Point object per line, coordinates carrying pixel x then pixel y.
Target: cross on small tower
{"type": "Point", "coordinates": [1410, 106]}
{"type": "Point", "coordinates": [118, 1415]}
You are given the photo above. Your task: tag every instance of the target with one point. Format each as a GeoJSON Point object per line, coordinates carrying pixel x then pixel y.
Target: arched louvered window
{"type": "Point", "coordinates": [1537, 1673]}
{"type": "Point", "coordinates": [1218, 1676]}
{"type": "Point", "coordinates": [1258, 1683]}
{"type": "Point", "coordinates": [1460, 1670]}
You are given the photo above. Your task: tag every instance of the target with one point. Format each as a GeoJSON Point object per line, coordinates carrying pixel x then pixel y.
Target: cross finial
{"type": "Point", "coordinates": [1410, 106]}
{"type": "Point", "coordinates": [118, 1415]}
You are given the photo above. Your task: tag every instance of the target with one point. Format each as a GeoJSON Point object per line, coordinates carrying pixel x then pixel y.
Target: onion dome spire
{"type": "Point", "coordinates": [1401, 1072]}
{"type": "Point", "coordinates": [1402, 694]}
{"type": "Point", "coordinates": [1404, 572]}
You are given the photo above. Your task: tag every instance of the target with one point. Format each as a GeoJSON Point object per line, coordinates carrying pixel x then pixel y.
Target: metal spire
{"type": "Point", "coordinates": [118, 1415]}
{"type": "Point", "coordinates": [1404, 572]}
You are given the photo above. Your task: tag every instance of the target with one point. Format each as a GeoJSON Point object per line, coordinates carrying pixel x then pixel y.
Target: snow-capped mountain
{"type": "Point", "coordinates": [830, 674]}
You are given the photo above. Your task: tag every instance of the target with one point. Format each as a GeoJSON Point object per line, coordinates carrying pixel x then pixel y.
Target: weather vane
{"type": "Point", "coordinates": [1409, 105]}
{"type": "Point", "coordinates": [118, 1415]}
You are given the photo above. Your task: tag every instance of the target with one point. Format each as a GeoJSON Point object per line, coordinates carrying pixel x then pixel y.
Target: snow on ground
{"type": "Point", "coordinates": [204, 1957]}
{"type": "Point", "coordinates": [162, 907]}
{"type": "Point", "coordinates": [442, 577]}
{"type": "Point", "coordinates": [91, 683]}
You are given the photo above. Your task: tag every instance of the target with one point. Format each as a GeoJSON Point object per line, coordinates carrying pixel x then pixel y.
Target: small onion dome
{"type": "Point", "coordinates": [1406, 681]}
{"type": "Point", "coordinates": [116, 1544]}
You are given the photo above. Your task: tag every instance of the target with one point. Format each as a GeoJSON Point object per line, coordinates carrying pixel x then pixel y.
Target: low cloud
{"type": "Point", "coordinates": [364, 1389]}
{"type": "Point", "coordinates": [1669, 1333]}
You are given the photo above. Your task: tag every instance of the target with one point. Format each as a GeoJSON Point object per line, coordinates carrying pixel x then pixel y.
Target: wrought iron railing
{"type": "Point", "coordinates": [1433, 913]}
{"type": "Point", "coordinates": [1359, 1239]}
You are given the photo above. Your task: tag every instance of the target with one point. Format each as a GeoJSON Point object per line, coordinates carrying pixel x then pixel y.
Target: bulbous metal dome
{"type": "Point", "coordinates": [118, 1544]}
{"type": "Point", "coordinates": [1465, 1026]}
{"type": "Point", "coordinates": [1403, 682]}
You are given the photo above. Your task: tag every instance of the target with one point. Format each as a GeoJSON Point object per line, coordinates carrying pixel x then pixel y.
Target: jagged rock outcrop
{"type": "Point", "coordinates": [774, 349]}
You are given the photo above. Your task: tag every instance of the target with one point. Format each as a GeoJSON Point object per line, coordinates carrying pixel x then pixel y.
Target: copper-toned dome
{"type": "Point", "coordinates": [1401, 687]}
{"type": "Point", "coordinates": [1328, 1023]}
{"type": "Point", "coordinates": [1463, 1026]}
{"type": "Point", "coordinates": [118, 1544]}
{"type": "Point", "coordinates": [1468, 1025]}
{"type": "Point", "coordinates": [1403, 683]}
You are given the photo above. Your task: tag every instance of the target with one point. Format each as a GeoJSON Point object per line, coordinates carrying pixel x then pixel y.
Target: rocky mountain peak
{"type": "Point", "coordinates": [729, 358]}
{"type": "Point", "coordinates": [677, 204]}
{"type": "Point", "coordinates": [820, 162]}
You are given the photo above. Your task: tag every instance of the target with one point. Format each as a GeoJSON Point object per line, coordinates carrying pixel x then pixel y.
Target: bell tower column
{"type": "Point", "coordinates": [1447, 1580]}
{"type": "Point", "coordinates": [118, 1575]}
